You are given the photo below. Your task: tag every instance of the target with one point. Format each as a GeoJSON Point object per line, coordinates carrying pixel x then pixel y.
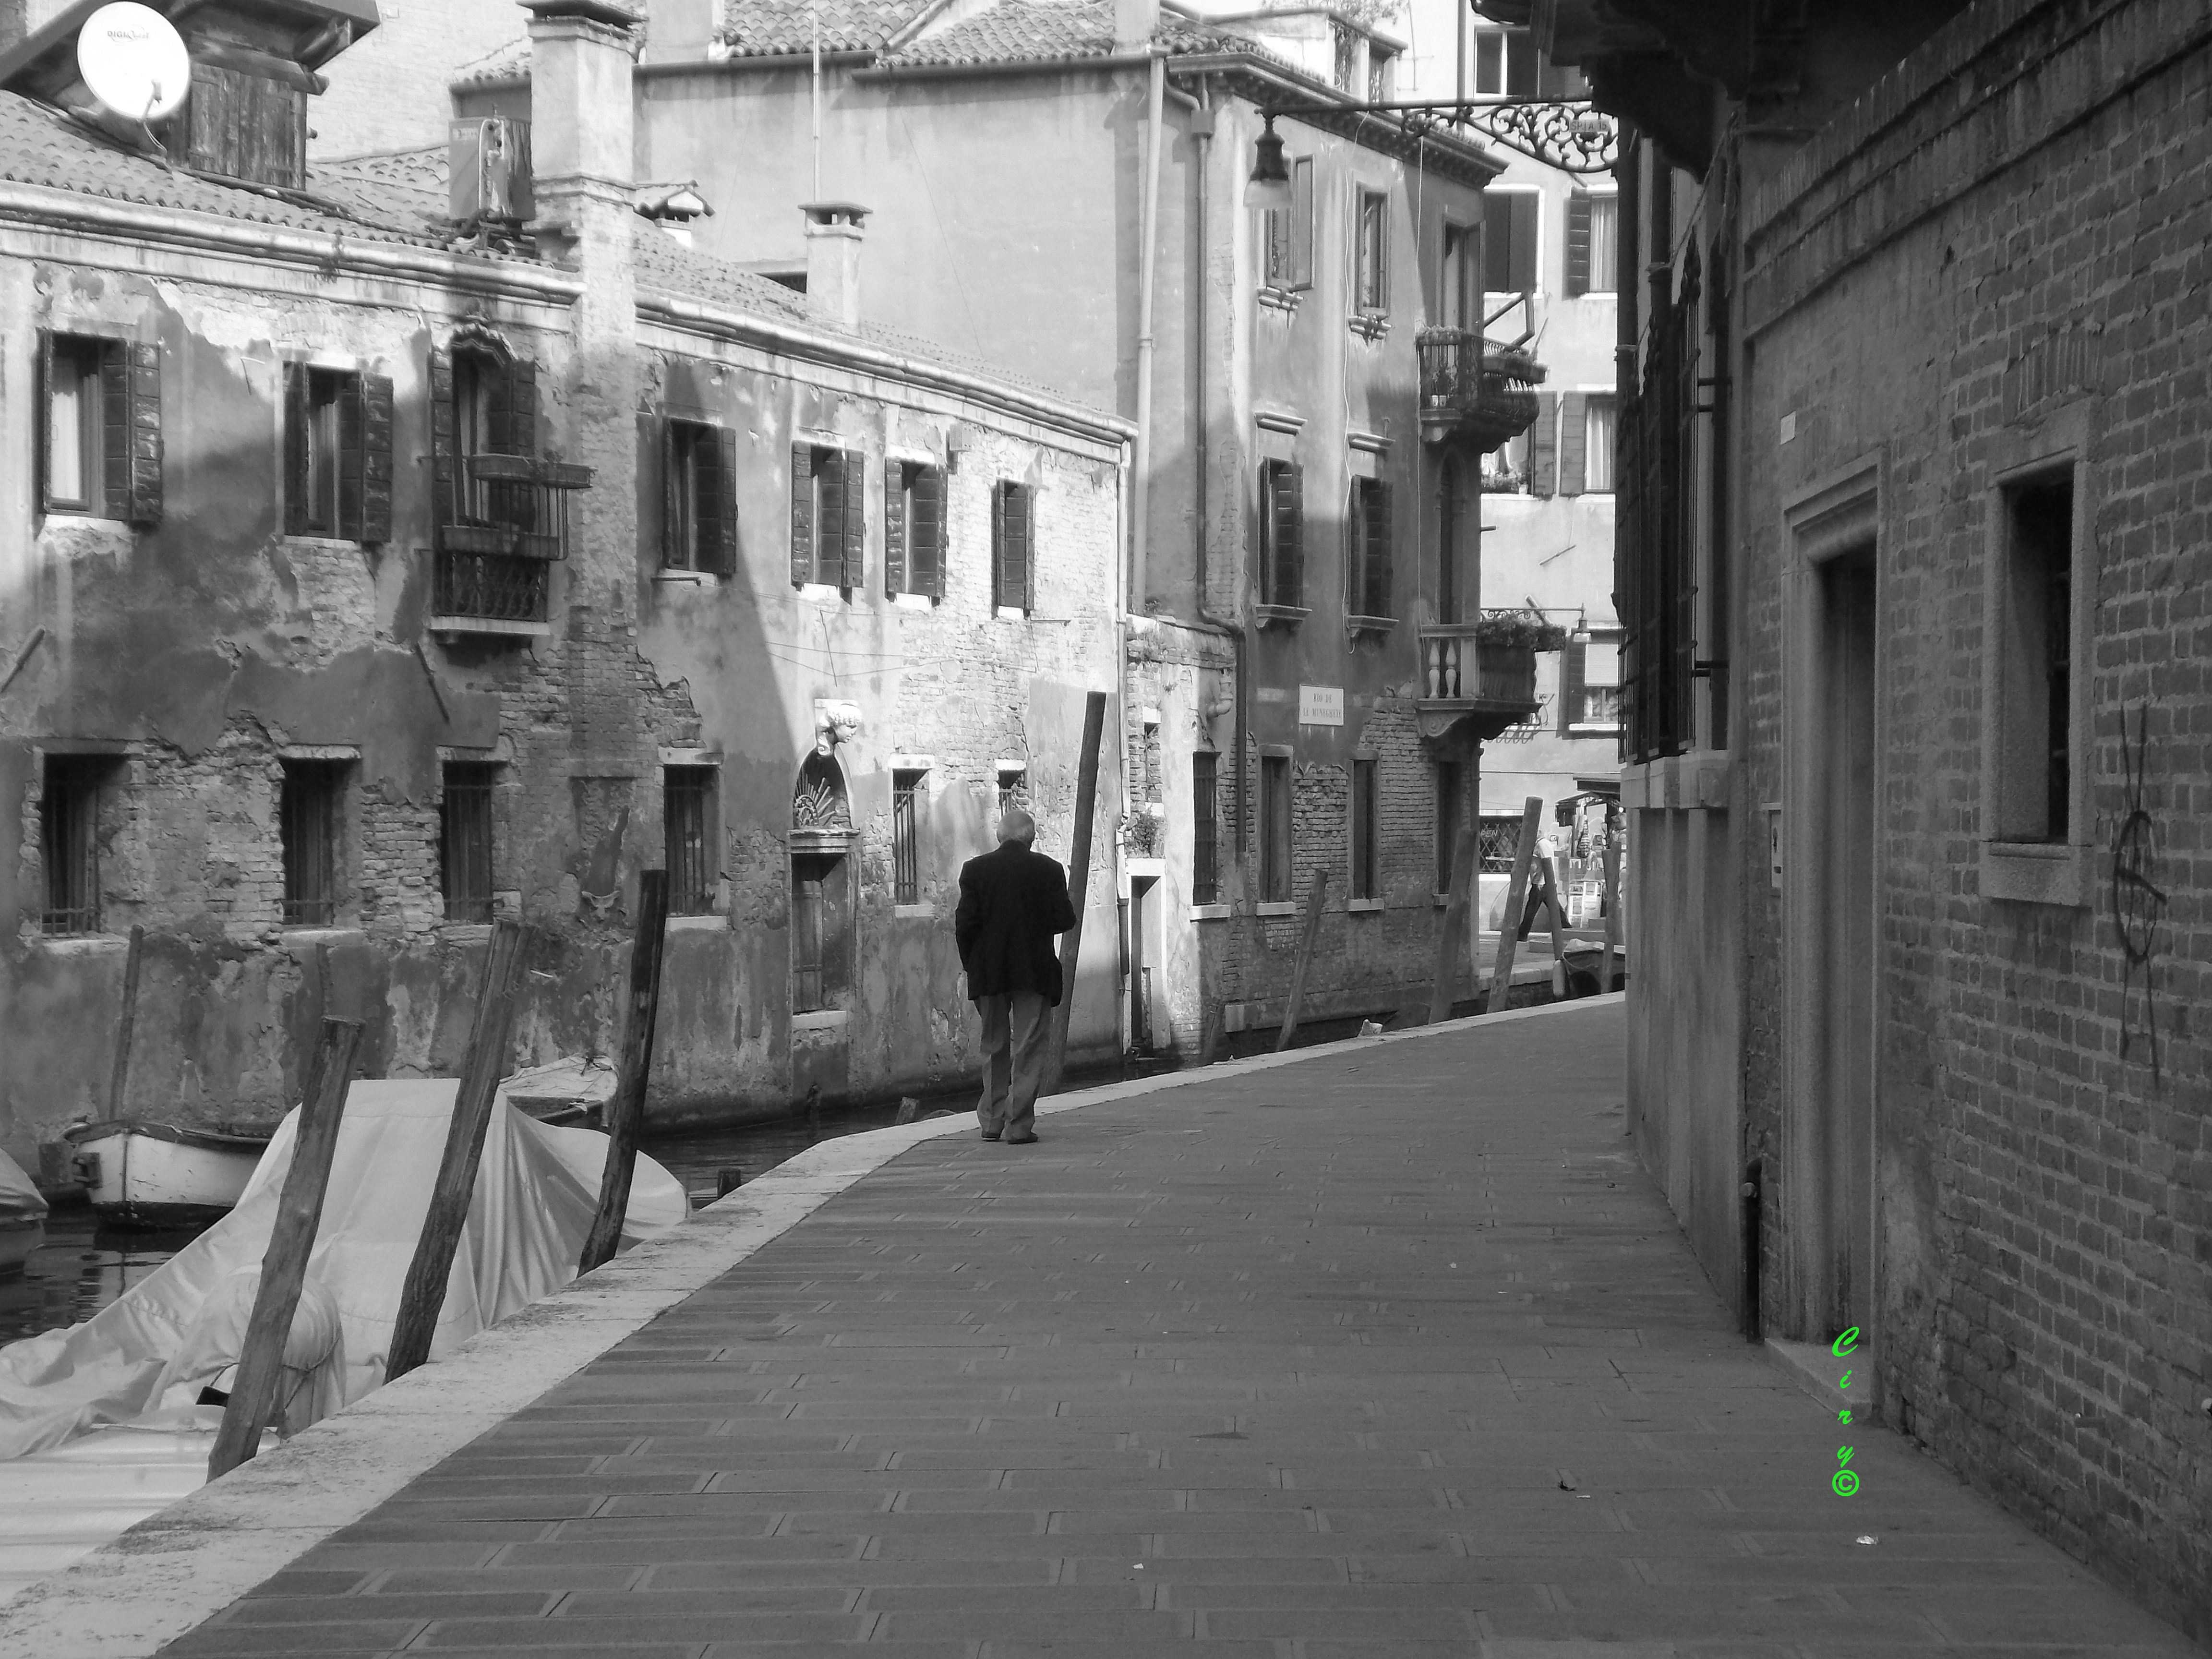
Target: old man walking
{"type": "Point", "coordinates": [1012, 903]}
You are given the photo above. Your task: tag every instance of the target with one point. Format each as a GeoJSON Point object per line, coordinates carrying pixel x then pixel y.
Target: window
{"type": "Point", "coordinates": [1363, 820]}
{"type": "Point", "coordinates": [828, 518]}
{"type": "Point", "coordinates": [687, 819]}
{"type": "Point", "coordinates": [1589, 685]}
{"type": "Point", "coordinates": [1371, 248]}
{"type": "Point", "coordinates": [338, 454]}
{"type": "Point", "coordinates": [1599, 431]}
{"type": "Point", "coordinates": [497, 536]}
{"type": "Point", "coordinates": [2033, 763]}
{"type": "Point", "coordinates": [1593, 250]}
{"type": "Point", "coordinates": [1505, 469]}
{"type": "Point", "coordinates": [1496, 841]}
{"type": "Point", "coordinates": [1505, 63]}
{"type": "Point", "coordinates": [913, 529]}
{"type": "Point", "coordinates": [1275, 828]}
{"type": "Point", "coordinates": [1450, 523]}
{"type": "Point", "coordinates": [1287, 232]}
{"type": "Point", "coordinates": [1344, 75]}
{"type": "Point", "coordinates": [1367, 549]}
{"type": "Point", "coordinates": [1013, 787]}
{"type": "Point", "coordinates": [699, 499]}
{"type": "Point", "coordinates": [69, 840]}
{"type": "Point", "coordinates": [1509, 241]}
{"type": "Point", "coordinates": [1381, 73]}
{"type": "Point", "coordinates": [906, 836]}
{"type": "Point", "coordinates": [1205, 829]}
{"type": "Point", "coordinates": [821, 932]}
{"type": "Point", "coordinates": [307, 824]}
{"type": "Point", "coordinates": [1451, 787]}
{"type": "Point", "coordinates": [1282, 533]}
{"type": "Point", "coordinates": [464, 840]}
{"type": "Point", "coordinates": [100, 442]}
{"type": "Point", "coordinates": [1463, 296]}
{"type": "Point", "coordinates": [1013, 547]}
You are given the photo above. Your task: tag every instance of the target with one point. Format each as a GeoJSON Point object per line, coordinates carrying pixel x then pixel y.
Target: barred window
{"type": "Point", "coordinates": [308, 813]}
{"type": "Point", "coordinates": [69, 840]}
{"type": "Point", "coordinates": [906, 837]}
{"type": "Point", "coordinates": [688, 828]}
{"type": "Point", "coordinates": [1498, 840]}
{"type": "Point", "coordinates": [1205, 830]}
{"type": "Point", "coordinates": [465, 869]}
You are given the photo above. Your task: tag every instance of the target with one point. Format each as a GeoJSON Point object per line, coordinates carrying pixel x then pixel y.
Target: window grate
{"type": "Point", "coordinates": [68, 843]}
{"type": "Point", "coordinates": [491, 587]}
{"type": "Point", "coordinates": [465, 840]}
{"type": "Point", "coordinates": [906, 838]}
{"type": "Point", "coordinates": [308, 813]}
{"type": "Point", "coordinates": [1205, 831]}
{"type": "Point", "coordinates": [687, 819]}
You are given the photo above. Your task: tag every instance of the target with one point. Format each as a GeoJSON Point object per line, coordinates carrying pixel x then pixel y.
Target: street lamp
{"type": "Point", "coordinates": [1269, 186]}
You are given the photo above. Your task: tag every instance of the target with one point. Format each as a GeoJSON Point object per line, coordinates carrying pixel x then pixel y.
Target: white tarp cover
{"type": "Point", "coordinates": [537, 1191]}
{"type": "Point", "coordinates": [19, 1195]}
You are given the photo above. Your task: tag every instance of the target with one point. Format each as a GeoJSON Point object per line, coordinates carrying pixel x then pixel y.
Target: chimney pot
{"type": "Point", "coordinates": [833, 259]}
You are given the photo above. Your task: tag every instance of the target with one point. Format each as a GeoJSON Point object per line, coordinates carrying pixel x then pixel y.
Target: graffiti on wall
{"type": "Point", "coordinates": [2138, 902]}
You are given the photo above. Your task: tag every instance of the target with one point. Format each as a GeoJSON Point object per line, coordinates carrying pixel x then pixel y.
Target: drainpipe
{"type": "Point", "coordinates": [1148, 251]}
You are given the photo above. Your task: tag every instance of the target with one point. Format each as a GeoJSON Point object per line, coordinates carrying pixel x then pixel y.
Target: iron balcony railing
{"type": "Point", "coordinates": [509, 524]}
{"type": "Point", "coordinates": [1478, 390]}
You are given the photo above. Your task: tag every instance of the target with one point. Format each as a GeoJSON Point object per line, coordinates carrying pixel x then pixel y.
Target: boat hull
{"type": "Point", "coordinates": [155, 1174]}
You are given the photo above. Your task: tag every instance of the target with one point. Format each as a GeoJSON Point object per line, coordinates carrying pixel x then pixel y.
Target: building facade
{"type": "Point", "coordinates": [364, 579]}
{"type": "Point", "coordinates": [1911, 459]}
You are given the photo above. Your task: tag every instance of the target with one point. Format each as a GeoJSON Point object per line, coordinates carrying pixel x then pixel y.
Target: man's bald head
{"type": "Point", "coordinates": [1017, 825]}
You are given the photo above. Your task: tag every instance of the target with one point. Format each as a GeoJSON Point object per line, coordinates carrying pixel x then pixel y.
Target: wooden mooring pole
{"type": "Point", "coordinates": [1079, 884]}
{"type": "Point", "coordinates": [423, 1295]}
{"type": "Point", "coordinates": [126, 1027]}
{"type": "Point", "coordinates": [626, 1111]}
{"type": "Point", "coordinates": [1316, 897]}
{"type": "Point", "coordinates": [1516, 896]}
{"type": "Point", "coordinates": [1446, 977]}
{"type": "Point", "coordinates": [254, 1393]}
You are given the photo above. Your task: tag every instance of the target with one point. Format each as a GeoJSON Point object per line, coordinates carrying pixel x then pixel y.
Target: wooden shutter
{"type": "Point", "coordinates": [674, 556]}
{"type": "Point", "coordinates": [1524, 239]}
{"type": "Point", "coordinates": [718, 501]}
{"type": "Point", "coordinates": [443, 444]}
{"type": "Point", "coordinates": [829, 520]}
{"type": "Point", "coordinates": [925, 532]}
{"type": "Point", "coordinates": [114, 434]}
{"type": "Point", "coordinates": [297, 414]}
{"type": "Point", "coordinates": [1301, 222]}
{"type": "Point", "coordinates": [45, 418]}
{"type": "Point", "coordinates": [1286, 583]}
{"type": "Point", "coordinates": [1018, 580]}
{"type": "Point", "coordinates": [1578, 245]}
{"type": "Point", "coordinates": [1543, 446]}
{"type": "Point", "coordinates": [1497, 243]}
{"type": "Point", "coordinates": [1574, 672]}
{"type": "Point", "coordinates": [375, 393]}
{"type": "Point", "coordinates": [1028, 503]}
{"type": "Point", "coordinates": [1574, 438]}
{"type": "Point", "coordinates": [802, 514]}
{"type": "Point", "coordinates": [522, 379]}
{"type": "Point", "coordinates": [351, 460]}
{"type": "Point", "coordinates": [1276, 225]}
{"type": "Point", "coordinates": [852, 486]}
{"type": "Point", "coordinates": [1376, 514]}
{"type": "Point", "coordinates": [1355, 552]}
{"type": "Point", "coordinates": [998, 545]}
{"type": "Point", "coordinates": [895, 578]}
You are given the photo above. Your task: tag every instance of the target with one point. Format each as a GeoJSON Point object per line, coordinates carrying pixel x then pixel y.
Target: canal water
{"type": "Point", "coordinates": [83, 1266]}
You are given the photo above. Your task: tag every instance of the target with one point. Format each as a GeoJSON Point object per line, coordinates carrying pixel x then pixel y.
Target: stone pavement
{"type": "Point", "coordinates": [1392, 1351]}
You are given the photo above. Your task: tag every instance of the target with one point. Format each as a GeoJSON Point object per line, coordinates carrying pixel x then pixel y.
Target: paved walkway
{"type": "Point", "coordinates": [1390, 1353]}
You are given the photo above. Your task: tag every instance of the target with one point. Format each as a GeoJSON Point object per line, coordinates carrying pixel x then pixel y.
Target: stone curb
{"type": "Point", "coordinates": [177, 1569]}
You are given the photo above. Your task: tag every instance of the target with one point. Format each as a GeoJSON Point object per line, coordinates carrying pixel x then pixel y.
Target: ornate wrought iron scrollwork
{"type": "Point", "coordinates": [1571, 136]}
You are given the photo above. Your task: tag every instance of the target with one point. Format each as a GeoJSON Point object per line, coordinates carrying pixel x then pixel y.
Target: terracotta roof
{"type": "Point", "coordinates": [1039, 31]}
{"type": "Point", "coordinates": [39, 145]}
{"type": "Point", "coordinates": [759, 28]}
{"type": "Point", "coordinates": [508, 62]}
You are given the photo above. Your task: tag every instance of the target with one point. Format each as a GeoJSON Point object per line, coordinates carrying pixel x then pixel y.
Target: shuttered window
{"type": "Point", "coordinates": [1013, 547]}
{"type": "Point", "coordinates": [99, 434]}
{"type": "Point", "coordinates": [1371, 253]}
{"type": "Point", "coordinates": [1368, 533]}
{"type": "Point", "coordinates": [1543, 446]}
{"type": "Point", "coordinates": [828, 517]}
{"type": "Point", "coordinates": [699, 498]}
{"type": "Point", "coordinates": [1574, 442]}
{"type": "Point", "coordinates": [1288, 231]}
{"type": "Point", "coordinates": [1282, 533]}
{"type": "Point", "coordinates": [1593, 247]}
{"type": "Point", "coordinates": [1509, 241]}
{"type": "Point", "coordinates": [464, 840]}
{"type": "Point", "coordinates": [338, 454]}
{"type": "Point", "coordinates": [913, 529]}
{"type": "Point", "coordinates": [309, 816]}
{"type": "Point", "coordinates": [1600, 434]}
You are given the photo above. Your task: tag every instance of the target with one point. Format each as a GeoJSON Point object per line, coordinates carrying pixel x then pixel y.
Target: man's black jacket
{"type": "Point", "coordinates": [1012, 902]}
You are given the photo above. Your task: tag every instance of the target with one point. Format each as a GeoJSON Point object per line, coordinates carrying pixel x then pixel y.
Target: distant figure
{"type": "Point", "coordinates": [1013, 904]}
{"type": "Point", "coordinates": [1539, 884]}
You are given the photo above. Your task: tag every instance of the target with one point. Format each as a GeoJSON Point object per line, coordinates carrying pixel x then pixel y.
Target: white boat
{"type": "Point", "coordinates": [162, 1175]}
{"type": "Point", "coordinates": [22, 1217]}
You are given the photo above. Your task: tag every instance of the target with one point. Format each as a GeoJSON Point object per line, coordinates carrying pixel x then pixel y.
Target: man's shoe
{"type": "Point", "coordinates": [1020, 1140]}
{"type": "Point", "coordinates": [990, 1134]}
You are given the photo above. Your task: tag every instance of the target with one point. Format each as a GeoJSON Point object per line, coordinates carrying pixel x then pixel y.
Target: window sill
{"type": "Point", "coordinates": [1367, 907]}
{"type": "Point", "coordinates": [1595, 729]}
{"type": "Point", "coordinates": [2037, 873]}
{"type": "Point", "coordinates": [706, 924]}
{"type": "Point", "coordinates": [1380, 627]}
{"type": "Point", "coordinates": [1279, 299]}
{"type": "Point", "coordinates": [1277, 908]}
{"type": "Point", "coordinates": [688, 578]}
{"type": "Point", "coordinates": [912, 601]}
{"type": "Point", "coordinates": [1281, 615]}
{"type": "Point", "coordinates": [1369, 325]}
{"type": "Point", "coordinates": [914, 912]}
{"type": "Point", "coordinates": [822, 1019]}
{"type": "Point", "coordinates": [1697, 779]}
{"type": "Point", "coordinates": [326, 543]}
{"type": "Point", "coordinates": [321, 935]}
{"type": "Point", "coordinates": [464, 932]}
{"type": "Point", "coordinates": [1209, 913]}
{"type": "Point", "coordinates": [1010, 613]}
{"type": "Point", "coordinates": [820, 594]}
{"type": "Point", "coordinates": [82, 945]}
{"type": "Point", "coordinates": [491, 627]}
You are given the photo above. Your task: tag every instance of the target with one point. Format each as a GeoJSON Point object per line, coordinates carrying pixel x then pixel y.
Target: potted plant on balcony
{"type": "Point", "coordinates": [1505, 647]}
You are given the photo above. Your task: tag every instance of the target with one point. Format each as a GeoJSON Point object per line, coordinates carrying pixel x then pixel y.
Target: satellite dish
{"type": "Point", "coordinates": [134, 61]}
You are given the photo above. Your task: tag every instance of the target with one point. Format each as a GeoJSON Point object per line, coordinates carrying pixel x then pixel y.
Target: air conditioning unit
{"type": "Point", "coordinates": [489, 166]}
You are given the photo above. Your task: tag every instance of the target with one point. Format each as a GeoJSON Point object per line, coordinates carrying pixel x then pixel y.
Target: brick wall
{"type": "Point", "coordinates": [387, 90]}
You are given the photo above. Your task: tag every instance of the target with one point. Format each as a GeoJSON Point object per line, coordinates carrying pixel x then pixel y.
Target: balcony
{"type": "Point", "coordinates": [1471, 686]}
{"type": "Point", "coordinates": [1475, 392]}
{"type": "Point", "coordinates": [509, 526]}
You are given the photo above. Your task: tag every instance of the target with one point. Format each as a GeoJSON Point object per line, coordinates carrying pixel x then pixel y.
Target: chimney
{"type": "Point", "coordinates": [833, 259]}
{"type": "Point", "coordinates": [1134, 23]}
